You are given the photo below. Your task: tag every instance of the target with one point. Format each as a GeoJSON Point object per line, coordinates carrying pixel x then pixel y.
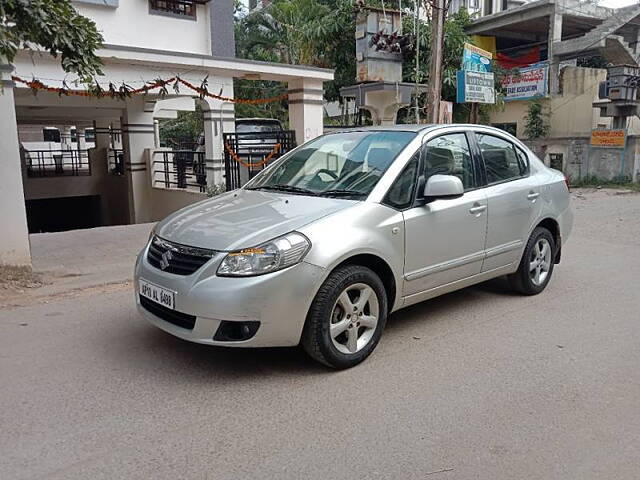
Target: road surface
{"type": "Point", "coordinates": [476, 384]}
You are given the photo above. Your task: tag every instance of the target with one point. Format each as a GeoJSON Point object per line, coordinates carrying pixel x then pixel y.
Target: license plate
{"type": "Point", "coordinates": [160, 295]}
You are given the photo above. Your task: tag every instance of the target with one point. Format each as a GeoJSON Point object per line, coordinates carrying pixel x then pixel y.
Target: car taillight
{"type": "Point", "coordinates": [567, 183]}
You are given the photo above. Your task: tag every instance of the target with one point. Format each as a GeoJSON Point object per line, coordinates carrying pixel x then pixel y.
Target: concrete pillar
{"type": "Point", "coordinates": [219, 118]}
{"type": "Point", "coordinates": [80, 136]}
{"type": "Point", "coordinates": [555, 35]}
{"type": "Point", "coordinates": [137, 139]}
{"type": "Point", "coordinates": [65, 138]}
{"type": "Point", "coordinates": [306, 110]}
{"type": "Point", "coordinates": [101, 128]}
{"type": "Point", "coordinates": [223, 42]}
{"type": "Point", "coordinates": [14, 247]}
{"type": "Point", "coordinates": [383, 106]}
{"type": "Point", "coordinates": [156, 132]}
{"type": "Point", "coordinates": [116, 139]}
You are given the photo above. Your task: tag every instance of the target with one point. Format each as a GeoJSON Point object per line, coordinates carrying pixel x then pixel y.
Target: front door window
{"type": "Point", "coordinates": [450, 155]}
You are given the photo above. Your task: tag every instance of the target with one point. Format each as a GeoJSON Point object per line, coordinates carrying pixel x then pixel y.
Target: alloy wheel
{"type": "Point", "coordinates": [540, 262]}
{"type": "Point", "coordinates": [354, 318]}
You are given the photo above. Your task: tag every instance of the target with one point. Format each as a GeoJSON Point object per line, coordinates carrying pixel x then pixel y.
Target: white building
{"type": "Point", "coordinates": [144, 40]}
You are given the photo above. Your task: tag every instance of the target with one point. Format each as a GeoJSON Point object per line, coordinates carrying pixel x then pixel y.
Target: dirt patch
{"type": "Point", "coordinates": [18, 279]}
{"type": "Point", "coordinates": [32, 297]}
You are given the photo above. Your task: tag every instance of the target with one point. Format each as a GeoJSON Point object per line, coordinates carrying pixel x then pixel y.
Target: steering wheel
{"type": "Point", "coordinates": [331, 173]}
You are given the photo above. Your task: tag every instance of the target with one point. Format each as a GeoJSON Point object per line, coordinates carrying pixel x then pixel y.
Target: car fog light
{"type": "Point", "coordinates": [236, 331]}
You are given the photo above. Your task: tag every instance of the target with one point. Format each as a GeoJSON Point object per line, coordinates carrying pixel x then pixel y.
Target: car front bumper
{"type": "Point", "coordinates": [279, 301]}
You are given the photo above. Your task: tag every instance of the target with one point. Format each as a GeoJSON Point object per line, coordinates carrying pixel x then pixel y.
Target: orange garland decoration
{"type": "Point", "coordinates": [261, 163]}
{"type": "Point", "coordinates": [254, 101]}
{"type": "Point", "coordinates": [38, 85]}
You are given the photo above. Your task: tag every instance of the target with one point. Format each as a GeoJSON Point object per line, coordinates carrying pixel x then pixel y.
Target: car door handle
{"type": "Point", "coordinates": [477, 208]}
{"type": "Point", "coordinates": [533, 195]}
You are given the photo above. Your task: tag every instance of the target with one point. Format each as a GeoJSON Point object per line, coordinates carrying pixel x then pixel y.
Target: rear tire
{"type": "Point", "coordinates": [536, 265]}
{"type": "Point", "coordinates": [346, 318]}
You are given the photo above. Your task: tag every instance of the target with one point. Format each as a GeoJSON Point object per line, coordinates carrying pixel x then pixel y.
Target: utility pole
{"type": "Point", "coordinates": [474, 112]}
{"type": "Point", "coordinates": [416, 28]}
{"type": "Point", "coordinates": [438, 12]}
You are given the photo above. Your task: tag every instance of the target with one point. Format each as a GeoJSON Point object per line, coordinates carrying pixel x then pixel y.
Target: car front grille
{"type": "Point", "coordinates": [175, 258]}
{"type": "Point", "coordinates": [178, 319]}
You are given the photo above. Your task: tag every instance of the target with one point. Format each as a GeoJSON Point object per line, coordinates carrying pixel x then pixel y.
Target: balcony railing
{"type": "Point", "coordinates": [182, 169]}
{"type": "Point", "coordinates": [57, 163]}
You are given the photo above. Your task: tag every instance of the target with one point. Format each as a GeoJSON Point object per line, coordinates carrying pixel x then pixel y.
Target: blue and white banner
{"type": "Point", "coordinates": [475, 87]}
{"type": "Point", "coordinates": [527, 83]}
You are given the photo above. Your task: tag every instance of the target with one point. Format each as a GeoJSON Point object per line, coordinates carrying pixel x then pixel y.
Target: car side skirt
{"type": "Point", "coordinates": [457, 285]}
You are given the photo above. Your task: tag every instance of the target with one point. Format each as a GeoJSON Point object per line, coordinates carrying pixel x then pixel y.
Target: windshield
{"type": "Point", "coordinates": [258, 127]}
{"type": "Point", "coordinates": [347, 164]}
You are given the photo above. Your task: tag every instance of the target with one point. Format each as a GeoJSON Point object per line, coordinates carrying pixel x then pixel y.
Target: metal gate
{"type": "Point", "coordinates": [245, 154]}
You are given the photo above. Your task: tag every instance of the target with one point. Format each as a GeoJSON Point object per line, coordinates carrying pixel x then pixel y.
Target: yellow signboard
{"type": "Point", "coordinates": [479, 51]}
{"type": "Point", "coordinates": [608, 138]}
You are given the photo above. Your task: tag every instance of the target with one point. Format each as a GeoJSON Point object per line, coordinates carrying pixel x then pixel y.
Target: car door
{"type": "Point", "coordinates": [512, 196]}
{"type": "Point", "coordinates": [444, 239]}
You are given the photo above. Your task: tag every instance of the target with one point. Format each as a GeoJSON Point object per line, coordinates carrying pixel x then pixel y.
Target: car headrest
{"type": "Point", "coordinates": [439, 160]}
{"type": "Point", "coordinates": [495, 158]}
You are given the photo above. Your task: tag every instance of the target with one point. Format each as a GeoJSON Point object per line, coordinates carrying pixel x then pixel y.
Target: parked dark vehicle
{"type": "Point", "coordinates": [258, 125]}
{"type": "Point", "coordinates": [253, 133]}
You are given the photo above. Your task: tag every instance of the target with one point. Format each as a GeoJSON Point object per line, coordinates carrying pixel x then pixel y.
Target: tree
{"type": "Point", "coordinates": [321, 33]}
{"type": "Point", "coordinates": [55, 26]}
{"type": "Point", "coordinates": [454, 40]}
{"type": "Point", "coordinates": [536, 125]}
{"type": "Point", "coordinates": [302, 32]}
{"type": "Point", "coordinates": [184, 129]}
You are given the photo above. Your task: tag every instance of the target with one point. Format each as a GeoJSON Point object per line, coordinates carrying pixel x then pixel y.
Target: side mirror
{"type": "Point", "coordinates": [443, 187]}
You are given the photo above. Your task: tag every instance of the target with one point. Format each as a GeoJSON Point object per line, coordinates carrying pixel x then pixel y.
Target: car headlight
{"type": "Point", "coordinates": [274, 255]}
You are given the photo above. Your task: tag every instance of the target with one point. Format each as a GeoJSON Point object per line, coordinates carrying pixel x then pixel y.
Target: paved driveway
{"type": "Point", "coordinates": [476, 384]}
{"type": "Point", "coordinates": [81, 258]}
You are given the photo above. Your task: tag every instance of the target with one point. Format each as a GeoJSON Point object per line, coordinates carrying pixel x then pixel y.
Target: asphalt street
{"type": "Point", "coordinates": [477, 384]}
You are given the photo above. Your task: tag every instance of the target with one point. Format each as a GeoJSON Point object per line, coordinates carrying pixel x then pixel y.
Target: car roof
{"type": "Point", "coordinates": [410, 127]}
{"type": "Point", "coordinates": [258, 119]}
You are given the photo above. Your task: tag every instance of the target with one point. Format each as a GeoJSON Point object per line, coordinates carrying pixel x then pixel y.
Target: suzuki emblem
{"type": "Point", "coordinates": [164, 261]}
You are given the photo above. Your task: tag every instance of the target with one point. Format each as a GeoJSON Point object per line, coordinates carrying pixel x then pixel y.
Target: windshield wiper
{"type": "Point", "coordinates": [342, 192]}
{"type": "Point", "coordinates": [286, 188]}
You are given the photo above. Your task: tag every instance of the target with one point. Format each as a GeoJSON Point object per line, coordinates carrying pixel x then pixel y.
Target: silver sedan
{"type": "Point", "coordinates": [320, 247]}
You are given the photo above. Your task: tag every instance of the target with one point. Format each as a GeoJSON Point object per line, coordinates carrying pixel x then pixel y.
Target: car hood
{"type": "Point", "coordinates": [244, 218]}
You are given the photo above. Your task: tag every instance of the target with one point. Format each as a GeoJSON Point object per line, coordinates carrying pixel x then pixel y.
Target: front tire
{"type": "Point", "coordinates": [346, 318]}
{"type": "Point", "coordinates": [536, 265]}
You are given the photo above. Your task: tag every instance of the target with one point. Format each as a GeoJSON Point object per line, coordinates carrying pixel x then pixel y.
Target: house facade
{"type": "Point", "coordinates": [107, 159]}
{"type": "Point", "coordinates": [559, 44]}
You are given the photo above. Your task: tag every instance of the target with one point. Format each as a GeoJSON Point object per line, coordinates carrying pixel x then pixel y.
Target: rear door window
{"type": "Point", "coordinates": [503, 161]}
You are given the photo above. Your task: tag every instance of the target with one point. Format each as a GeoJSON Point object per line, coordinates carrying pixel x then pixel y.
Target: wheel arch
{"type": "Point", "coordinates": [553, 226]}
{"type": "Point", "coordinates": [380, 267]}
